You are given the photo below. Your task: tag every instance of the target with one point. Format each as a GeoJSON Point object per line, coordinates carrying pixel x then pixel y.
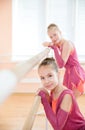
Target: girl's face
{"type": "Point", "coordinates": [55, 36]}
{"type": "Point", "coordinates": [48, 77]}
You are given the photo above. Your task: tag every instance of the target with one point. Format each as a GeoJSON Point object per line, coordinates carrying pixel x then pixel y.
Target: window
{"type": "Point", "coordinates": [27, 28]}
{"type": "Point", "coordinates": [80, 27]}
{"type": "Point", "coordinates": [31, 18]}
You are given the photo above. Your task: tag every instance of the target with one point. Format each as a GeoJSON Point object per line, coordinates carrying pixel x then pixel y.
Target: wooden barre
{"type": "Point", "coordinates": [9, 78]}
{"type": "Point", "coordinates": [21, 69]}
{"type": "Point", "coordinates": [32, 114]}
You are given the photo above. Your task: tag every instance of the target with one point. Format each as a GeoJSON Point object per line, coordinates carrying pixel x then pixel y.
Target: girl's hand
{"type": "Point", "coordinates": [46, 94]}
{"type": "Point", "coordinates": [46, 44]}
{"type": "Point", "coordinates": [42, 89]}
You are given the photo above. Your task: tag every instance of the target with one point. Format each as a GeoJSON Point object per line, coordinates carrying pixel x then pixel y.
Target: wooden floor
{"type": "Point", "coordinates": [14, 111]}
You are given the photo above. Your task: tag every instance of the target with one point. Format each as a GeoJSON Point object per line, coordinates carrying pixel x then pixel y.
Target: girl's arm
{"type": "Point", "coordinates": [47, 44]}
{"type": "Point", "coordinates": [59, 119]}
{"type": "Point", "coordinates": [47, 96]}
{"type": "Point", "coordinates": [62, 57]}
{"type": "Point", "coordinates": [66, 51]}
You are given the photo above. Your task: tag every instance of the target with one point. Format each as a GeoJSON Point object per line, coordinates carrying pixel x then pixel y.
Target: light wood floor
{"type": "Point", "coordinates": [14, 111]}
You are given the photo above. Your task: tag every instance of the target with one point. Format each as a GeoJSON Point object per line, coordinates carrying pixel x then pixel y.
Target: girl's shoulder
{"type": "Point", "coordinates": [67, 44]}
{"type": "Point", "coordinates": [66, 92]}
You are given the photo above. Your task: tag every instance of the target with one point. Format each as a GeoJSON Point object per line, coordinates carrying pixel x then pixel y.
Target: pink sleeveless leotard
{"type": "Point", "coordinates": [74, 74]}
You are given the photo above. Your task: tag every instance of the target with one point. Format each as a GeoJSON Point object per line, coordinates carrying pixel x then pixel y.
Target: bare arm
{"type": "Point", "coordinates": [66, 103]}
{"type": "Point", "coordinates": [66, 51]}
{"type": "Point", "coordinates": [47, 44]}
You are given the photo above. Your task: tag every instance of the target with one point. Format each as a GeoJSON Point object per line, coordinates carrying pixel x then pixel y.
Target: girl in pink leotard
{"type": "Point", "coordinates": [60, 104]}
{"type": "Point", "coordinates": [66, 56]}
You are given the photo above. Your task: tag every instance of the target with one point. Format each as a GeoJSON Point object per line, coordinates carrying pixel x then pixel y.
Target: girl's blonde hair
{"type": "Point", "coordinates": [53, 26]}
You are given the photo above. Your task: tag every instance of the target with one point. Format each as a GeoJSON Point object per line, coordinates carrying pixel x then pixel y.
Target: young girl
{"type": "Point", "coordinates": [66, 56]}
{"type": "Point", "coordinates": [60, 105]}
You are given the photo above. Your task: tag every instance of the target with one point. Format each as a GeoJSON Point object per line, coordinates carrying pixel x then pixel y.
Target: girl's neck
{"type": "Point", "coordinates": [57, 91]}
{"type": "Point", "coordinates": [60, 43]}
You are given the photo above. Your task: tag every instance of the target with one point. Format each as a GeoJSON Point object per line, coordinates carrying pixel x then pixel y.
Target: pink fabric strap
{"type": "Point", "coordinates": [58, 57]}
